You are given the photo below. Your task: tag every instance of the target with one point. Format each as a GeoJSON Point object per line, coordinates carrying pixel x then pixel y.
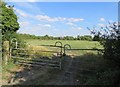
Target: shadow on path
{"type": "Point", "coordinates": [86, 69]}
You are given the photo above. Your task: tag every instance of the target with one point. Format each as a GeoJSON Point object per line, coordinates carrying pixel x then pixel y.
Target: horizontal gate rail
{"type": "Point", "coordinates": [28, 64]}
{"type": "Point", "coordinates": [40, 60]}
{"type": "Point", "coordinates": [33, 50]}
{"type": "Point", "coordinates": [87, 49]}
{"type": "Point", "coordinates": [30, 54]}
{"type": "Point", "coordinates": [30, 57]}
{"type": "Point", "coordinates": [51, 46]}
{"type": "Point", "coordinates": [33, 55]}
{"type": "Point", "coordinates": [39, 63]}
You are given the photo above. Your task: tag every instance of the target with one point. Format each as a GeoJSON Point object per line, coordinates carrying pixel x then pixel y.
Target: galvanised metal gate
{"type": "Point", "coordinates": [46, 58]}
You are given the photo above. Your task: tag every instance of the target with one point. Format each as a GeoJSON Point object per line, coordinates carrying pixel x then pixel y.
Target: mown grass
{"type": "Point", "coordinates": [74, 44]}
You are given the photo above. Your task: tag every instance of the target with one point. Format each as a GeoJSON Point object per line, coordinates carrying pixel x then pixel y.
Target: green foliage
{"type": "Point", "coordinates": [68, 38]}
{"type": "Point", "coordinates": [86, 37]}
{"type": "Point", "coordinates": [47, 37]}
{"type": "Point", "coordinates": [95, 70]}
{"type": "Point", "coordinates": [110, 39]}
{"type": "Point", "coordinates": [6, 69]}
{"type": "Point", "coordinates": [8, 21]}
{"type": "Point", "coordinates": [96, 38]}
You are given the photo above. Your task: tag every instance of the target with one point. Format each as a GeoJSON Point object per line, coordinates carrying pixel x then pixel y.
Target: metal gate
{"type": "Point", "coordinates": [46, 58]}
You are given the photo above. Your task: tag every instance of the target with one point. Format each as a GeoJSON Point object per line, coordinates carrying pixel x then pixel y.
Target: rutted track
{"type": "Point", "coordinates": [68, 75]}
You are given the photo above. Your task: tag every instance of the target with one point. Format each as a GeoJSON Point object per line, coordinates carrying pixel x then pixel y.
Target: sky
{"type": "Point", "coordinates": [63, 18]}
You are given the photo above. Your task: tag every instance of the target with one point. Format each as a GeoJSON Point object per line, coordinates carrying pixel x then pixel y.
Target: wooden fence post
{"type": "Point", "coordinates": [6, 51]}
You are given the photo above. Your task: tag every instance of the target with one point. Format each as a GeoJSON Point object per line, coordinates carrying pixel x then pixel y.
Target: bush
{"type": "Point", "coordinates": [110, 39]}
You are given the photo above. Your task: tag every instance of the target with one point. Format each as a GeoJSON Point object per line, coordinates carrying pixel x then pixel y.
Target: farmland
{"type": "Point", "coordinates": [46, 43]}
{"type": "Point", "coordinates": [78, 67]}
{"type": "Point", "coordinates": [74, 44]}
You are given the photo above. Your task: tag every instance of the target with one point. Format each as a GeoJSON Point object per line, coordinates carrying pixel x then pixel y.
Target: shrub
{"type": "Point", "coordinates": [110, 39]}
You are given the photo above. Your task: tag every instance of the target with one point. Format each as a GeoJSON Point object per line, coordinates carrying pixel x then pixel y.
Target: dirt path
{"type": "Point", "coordinates": [68, 75]}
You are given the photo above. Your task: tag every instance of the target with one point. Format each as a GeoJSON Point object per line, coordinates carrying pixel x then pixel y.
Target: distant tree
{"type": "Point", "coordinates": [96, 38]}
{"type": "Point", "coordinates": [68, 38]}
{"type": "Point", "coordinates": [78, 37]}
{"type": "Point", "coordinates": [46, 37]}
{"type": "Point", "coordinates": [85, 37]}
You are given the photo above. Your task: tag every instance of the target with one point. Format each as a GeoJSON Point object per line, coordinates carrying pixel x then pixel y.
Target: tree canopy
{"type": "Point", "coordinates": [9, 20]}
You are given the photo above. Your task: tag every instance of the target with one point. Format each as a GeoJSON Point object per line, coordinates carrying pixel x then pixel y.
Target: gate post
{"type": "Point", "coordinates": [60, 44]}
{"type": "Point", "coordinates": [65, 48]}
{"type": "Point", "coordinates": [6, 52]}
{"type": "Point", "coordinates": [11, 42]}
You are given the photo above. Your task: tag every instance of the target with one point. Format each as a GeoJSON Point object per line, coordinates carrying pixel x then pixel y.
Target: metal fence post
{"type": "Point", "coordinates": [60, 44]}
{"type": "Point", "coordinates": [16, 45]}
{"type": "Point", "coordinates": [66, 45]}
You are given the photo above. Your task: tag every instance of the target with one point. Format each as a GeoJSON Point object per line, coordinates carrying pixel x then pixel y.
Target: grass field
{"type": "Point", "coordinates": [74, 45]}
{"type": "Point", "coordinates": [84, 68]}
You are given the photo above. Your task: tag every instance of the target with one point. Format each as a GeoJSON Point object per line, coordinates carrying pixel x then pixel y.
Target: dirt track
{"type": "Point", "coordinates": [68, 75]}
{"type": "Point", "coordinates": [36, 75]}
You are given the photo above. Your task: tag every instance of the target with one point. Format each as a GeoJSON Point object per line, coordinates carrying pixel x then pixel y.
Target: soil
{"type": "Point", "coordinates": [29, 75]}
{"type": "Point", "coordinates": [68, 75]}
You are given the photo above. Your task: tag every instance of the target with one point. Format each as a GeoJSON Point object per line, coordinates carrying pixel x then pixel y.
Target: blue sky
{"type": "Point", "coordinates": [63, 18]}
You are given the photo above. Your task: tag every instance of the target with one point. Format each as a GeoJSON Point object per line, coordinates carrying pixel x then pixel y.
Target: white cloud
{"type": "Point", "coordinates": [77, 28]}
{"type": "Point", "coordinates": [71, 24]}
{"type": "Point", "coordinates": [101, 25]}
{"type": "Point", "coordinates": [45, 25]}
{"type": "Point", "coordinates": [25, 23]}
{"type": "Point", "coordinates": [61, 18]}
{"type": "Point", "coordinates": [75, 19]}
{"type": "Point", "coordinates": [57, 19]}
{"type": "Point", "coordinates": [21, 13]}
{"type": "Point", "coordinates": [37, 29]}
{"type": "Point", "coordinates": [102, 19]}
{"type": "Point", "coordinates": [46, 18]}
{"type": "Point", "coordinates": [30, 6]}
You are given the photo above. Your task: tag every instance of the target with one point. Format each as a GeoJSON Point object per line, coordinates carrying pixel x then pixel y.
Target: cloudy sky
{"type": "Point", "coordinates": [63, 18]}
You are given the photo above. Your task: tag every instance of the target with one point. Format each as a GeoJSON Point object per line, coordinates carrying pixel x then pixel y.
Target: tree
{"type": "Point", "coordinates": [9, 23]}
{"type": "Point", "coordinates": [46, 37]}
{"type": "Point", "coordinates": [78, 37]}
{"type": "Point", "coordinates": [110, 39]}
{"type": "Point", "coordinates": [96, 38]}
{"type": "Point", "coordinates": [85, 37]}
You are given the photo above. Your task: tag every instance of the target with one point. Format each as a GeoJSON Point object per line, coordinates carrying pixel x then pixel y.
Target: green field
{"type": "Point", "coordinates": [73, 44]}
{"type": "Point", "coordinates": [84, 66]}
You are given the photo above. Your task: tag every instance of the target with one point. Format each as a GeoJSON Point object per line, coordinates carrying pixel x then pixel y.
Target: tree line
{"type": "Point", "coordinates": [47, 37]}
